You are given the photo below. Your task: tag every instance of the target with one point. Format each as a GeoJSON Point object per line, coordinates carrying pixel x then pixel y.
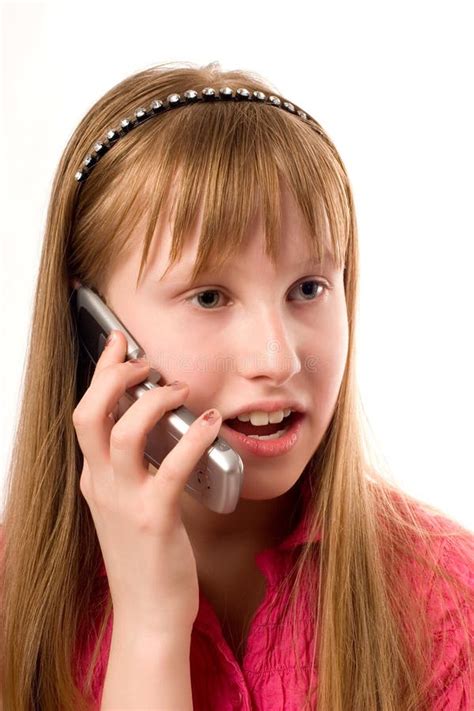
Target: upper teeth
{"type": "Point", "coordinates": [263, 418]}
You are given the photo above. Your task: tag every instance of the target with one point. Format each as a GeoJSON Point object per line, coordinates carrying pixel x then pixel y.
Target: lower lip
{"type": "Point", "coordinates": [262, 447]}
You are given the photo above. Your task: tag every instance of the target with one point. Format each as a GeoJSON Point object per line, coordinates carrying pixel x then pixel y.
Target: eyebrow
{"type": "Point", "coordinates": [306, 264]}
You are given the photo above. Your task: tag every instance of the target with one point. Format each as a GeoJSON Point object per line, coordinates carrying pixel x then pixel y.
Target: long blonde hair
{"type": "Point", "coordinates": [371, 641]}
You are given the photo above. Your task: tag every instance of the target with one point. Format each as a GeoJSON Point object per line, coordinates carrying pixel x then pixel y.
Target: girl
{"type": "Point", "coordinates": [219, 232]}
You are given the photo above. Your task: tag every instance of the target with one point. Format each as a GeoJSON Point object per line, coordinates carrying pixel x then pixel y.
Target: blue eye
{"type": "Point", "coordinates": [208, 303]}
{"type": "Point", "coordinates": [308, 291]}
{"type": "Point", "coordinates": [207, 300]}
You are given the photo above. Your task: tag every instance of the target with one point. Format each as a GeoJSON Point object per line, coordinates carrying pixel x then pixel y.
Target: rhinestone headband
{"type": "Point", "coordinates": [157, 107]}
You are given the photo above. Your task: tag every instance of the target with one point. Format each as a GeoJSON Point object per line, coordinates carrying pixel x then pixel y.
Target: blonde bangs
{"type": "Point", "coordinates": [230, 161]}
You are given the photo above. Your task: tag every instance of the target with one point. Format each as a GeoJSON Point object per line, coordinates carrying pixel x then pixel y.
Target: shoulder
{"type": "Point", "coordinates": [450, 610]}
{"type": "Point", "coordinates": [455, 557]}
{"type": "Point", "coordinates": [438, 560]}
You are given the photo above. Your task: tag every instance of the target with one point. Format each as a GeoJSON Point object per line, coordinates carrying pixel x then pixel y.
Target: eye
{"type": "Point", "coordinates": [208, 302]}
{"type": "Point", "coordinates": [308, 291]}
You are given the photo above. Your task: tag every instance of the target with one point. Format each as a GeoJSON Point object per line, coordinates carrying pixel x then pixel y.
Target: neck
{"type": "Point", "coordinates": [258, 524]}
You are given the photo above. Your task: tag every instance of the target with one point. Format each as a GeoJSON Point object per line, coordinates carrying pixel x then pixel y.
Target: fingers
{"type": "Point", "coordinates": [114, 351]}
{"type": "Point", "coordinates": [108, 385]}
{"type": "Point", "coordinates": [128, 436]}
{"type": "Point", "coordinates": [177, 466]}
{"type": "Point", "coordinates": [118, 447]}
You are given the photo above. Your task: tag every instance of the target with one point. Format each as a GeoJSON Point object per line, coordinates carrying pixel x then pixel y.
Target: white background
{"type": "Point", "coordinates": [392, 85]}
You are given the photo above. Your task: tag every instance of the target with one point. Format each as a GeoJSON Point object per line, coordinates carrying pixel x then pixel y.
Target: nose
{"type": "Point", "coordinates": [272, 352]}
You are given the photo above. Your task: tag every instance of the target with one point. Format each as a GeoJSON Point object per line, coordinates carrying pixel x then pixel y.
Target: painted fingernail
{"type": "Point", "coordinates": [110, 339]}
{"type": "Point", "coordinates": [140, 362]}
{"type": "Point", "coordinates": [177, 385]}
{"type": "Point", "coordinates": [210, 417]}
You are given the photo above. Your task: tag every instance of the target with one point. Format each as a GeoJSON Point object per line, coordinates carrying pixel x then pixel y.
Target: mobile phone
{"type": "Point", "coordinates": [216, 480]}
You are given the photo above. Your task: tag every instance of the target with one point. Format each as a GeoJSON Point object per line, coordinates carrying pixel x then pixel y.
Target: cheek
{"type": "Point", "coordinates": [175, 347]}
{"type": "Point", "coordinates": [327, 363]}
{"type": "Point", "coordinates": [177, 353]}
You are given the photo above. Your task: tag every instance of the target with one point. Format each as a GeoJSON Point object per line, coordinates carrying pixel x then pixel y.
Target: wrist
{"type": "Point", "coordinates": [138, 633]}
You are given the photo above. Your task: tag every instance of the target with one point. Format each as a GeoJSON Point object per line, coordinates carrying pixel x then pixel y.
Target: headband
{"type": "Point", "coordinates": [157, 107]}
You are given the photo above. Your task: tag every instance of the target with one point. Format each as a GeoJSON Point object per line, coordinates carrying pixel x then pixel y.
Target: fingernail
{"type": "Point", "coordinates": [177, 385]}
{"type": "Point", "coordinates": [210, 417]}
{"type": "Point", "coordinates": [110, 338]}
{"type": "Point", "coordinates": [140, 362]}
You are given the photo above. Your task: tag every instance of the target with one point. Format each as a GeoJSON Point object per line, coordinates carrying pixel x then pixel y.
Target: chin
{"type": "Point", "coordinates": [262, 486]}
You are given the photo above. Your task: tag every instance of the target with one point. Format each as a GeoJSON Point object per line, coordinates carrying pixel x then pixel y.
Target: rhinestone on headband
{"type": "Point", "coordinates": [173, 101]}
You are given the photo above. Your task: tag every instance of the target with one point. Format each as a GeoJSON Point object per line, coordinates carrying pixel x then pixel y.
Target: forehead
{"type": "Point", "coordinates": [241, 270]}
{"type": "Point", "coordinates": [294, 251]}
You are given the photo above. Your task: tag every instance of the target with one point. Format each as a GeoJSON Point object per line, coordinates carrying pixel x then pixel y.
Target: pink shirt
{"type": "Point", "coordinates": [267, 680]}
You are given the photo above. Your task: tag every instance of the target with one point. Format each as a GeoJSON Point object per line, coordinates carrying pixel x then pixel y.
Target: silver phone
{"type": "Point", "coordinates": [216, 481]}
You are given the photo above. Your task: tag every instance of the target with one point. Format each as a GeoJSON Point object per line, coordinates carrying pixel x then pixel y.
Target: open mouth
{"type": "Point", "coordinates": [272, 430]}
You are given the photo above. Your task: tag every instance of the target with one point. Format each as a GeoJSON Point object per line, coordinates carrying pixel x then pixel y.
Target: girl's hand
{"type": "Point", "coordinates": [148, 556]}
